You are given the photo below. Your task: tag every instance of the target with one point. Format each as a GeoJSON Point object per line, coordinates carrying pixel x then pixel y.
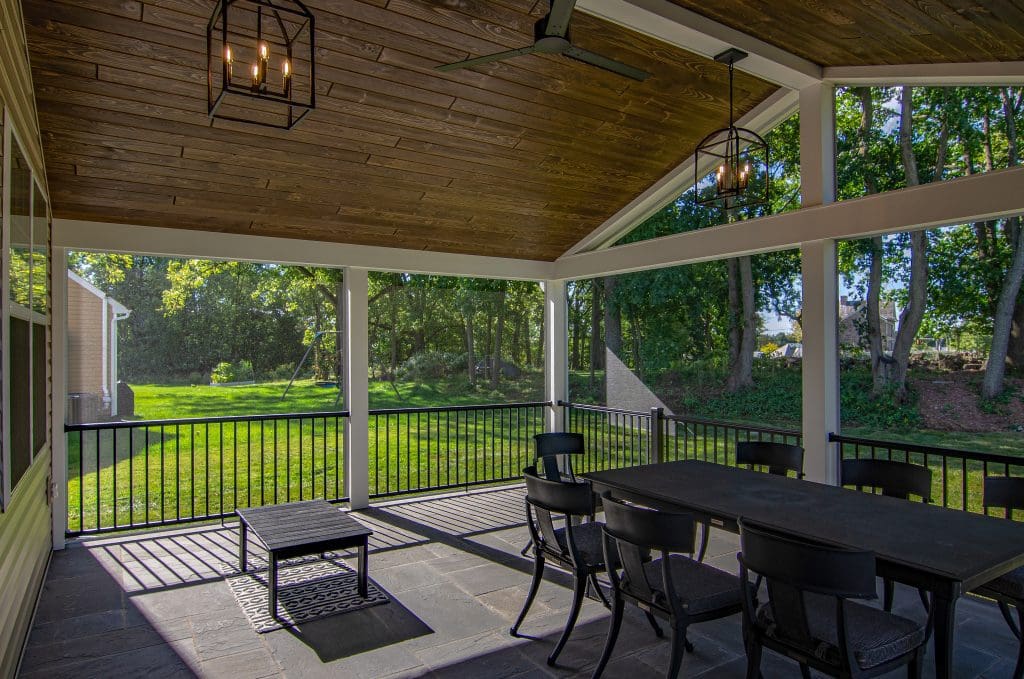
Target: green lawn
{"type": "Point", "coordinates": [170, 472]}
{"type": "Point", "coordinates": [153, 474]}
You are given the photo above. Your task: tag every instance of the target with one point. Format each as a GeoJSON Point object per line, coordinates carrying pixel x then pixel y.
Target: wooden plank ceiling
{"type": "Point", "coordinates": [518, 159]}
{"type": "Point", "coordinates": [865, 32]}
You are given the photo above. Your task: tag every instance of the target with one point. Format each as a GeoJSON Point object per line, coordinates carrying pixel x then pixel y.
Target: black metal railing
{"type": "Point", "coordinates": [621, 438]}
{"type": "Point", "coordinates": [159, 472]}
{"type": "Point", "coordinates": [614, 437]}
{"type": "Point", "coordinates": [413, 450]}
{"type": "Point", "coordinates": [687, 437]}
{"type": "Point", "coordinates": [958, 476]}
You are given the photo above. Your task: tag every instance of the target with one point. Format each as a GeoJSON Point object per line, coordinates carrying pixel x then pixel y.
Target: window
{"type": "Point", "coordinates": [26, 317]}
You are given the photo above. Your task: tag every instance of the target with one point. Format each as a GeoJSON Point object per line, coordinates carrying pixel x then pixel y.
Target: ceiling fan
{"type": "Point", "coordinates": [551, 36]}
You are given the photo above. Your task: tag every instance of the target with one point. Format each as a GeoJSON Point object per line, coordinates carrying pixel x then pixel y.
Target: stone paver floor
{"type": "Point", "coordinates": [155, 605]}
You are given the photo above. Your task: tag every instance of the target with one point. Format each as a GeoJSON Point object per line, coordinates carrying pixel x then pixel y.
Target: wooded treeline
{"type": "Point", "coordinates": [959, 281]}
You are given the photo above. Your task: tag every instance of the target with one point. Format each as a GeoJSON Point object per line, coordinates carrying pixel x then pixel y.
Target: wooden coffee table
{"type": "Point", "coordinates": [299, 529]}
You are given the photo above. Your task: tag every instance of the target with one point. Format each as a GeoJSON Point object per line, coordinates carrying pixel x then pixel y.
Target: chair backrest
{"type": "Point", "coordinates": [553, 445]}
{"type": "Point", "coordinates": [1004, 492]}
{"type": "Point", "coordinates": [638, 530]}
{"type": "Point", "coordinates": [893, 478]}
{"type": "Point", "coordinates": [780, 458]}
{"type": "Point", "coordinates": [549, 498]}
{"type": "Point", "coordinates": [792, 567]}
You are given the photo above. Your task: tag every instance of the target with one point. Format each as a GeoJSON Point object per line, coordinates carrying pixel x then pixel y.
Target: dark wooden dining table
{"type": "Point", "coordinates": [945, 551]}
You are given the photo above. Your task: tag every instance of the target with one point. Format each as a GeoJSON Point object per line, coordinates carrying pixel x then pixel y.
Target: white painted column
{"type": "Point", "coordinates": [58, 375]}
{"type": "Point", "coordinates": [356, 388]}
{"type": "Point", "coordinates": [556, 349]}
{"type": "Point", "coordinates": [819, 284]}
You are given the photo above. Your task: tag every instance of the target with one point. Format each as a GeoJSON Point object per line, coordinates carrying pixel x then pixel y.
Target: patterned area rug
{"type": "Point", "coordinates": [308, 588]}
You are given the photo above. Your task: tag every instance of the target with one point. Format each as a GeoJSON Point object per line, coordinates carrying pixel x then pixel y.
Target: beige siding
{"type": "Point", "coordinates": [25, 524]}
{"type": "Point", "coordinates": [85, 341]}
{"type": "Point", "coordinates": [25, 544]}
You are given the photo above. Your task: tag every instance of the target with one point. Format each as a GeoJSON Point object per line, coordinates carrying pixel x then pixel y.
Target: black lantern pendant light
{"type": "Point", "coordinates": [260, 64]}
{"type": "Point", "coordinates": [731, 163]}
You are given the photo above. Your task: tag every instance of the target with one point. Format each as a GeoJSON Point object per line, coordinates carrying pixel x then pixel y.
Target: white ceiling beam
{"type": "Point", "coordinates": [957, 201]}
{"type": "Point", "coordinates": [762, 118]}
{"type": "Point", "coordinates": [133, 239]}
{"type": "Point", "coordinates": [672, 24]}
{"type": "Point", "coordinates": [982, 74]}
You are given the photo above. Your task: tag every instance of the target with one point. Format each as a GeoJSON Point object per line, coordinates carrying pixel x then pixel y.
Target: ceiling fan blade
{"type": "Point", "coordinates": [486, 59]}
{"type": "Point", "coordinates": [606, 63]}
{"type": "Point", "coordinates": [558, 17]}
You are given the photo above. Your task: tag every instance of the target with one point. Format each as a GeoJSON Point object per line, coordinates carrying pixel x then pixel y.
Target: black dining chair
{"type": "Point", "coordinates": [575, 546]}
{"type": "Point", "coordinates": [812, 614]}
{"type": "Point", "coordinates": [1007, 494]}
{"type": "Point", "coordinates": [779, 458]}
{"type": "Point", "coordinates": [672, 586]}
{"type": "Point", "coordinates": [555, 451]}
{"type": "Point", "coordinates": [891, 478]}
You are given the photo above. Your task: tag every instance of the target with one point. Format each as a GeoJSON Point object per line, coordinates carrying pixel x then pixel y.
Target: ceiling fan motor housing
{"type": "Point", "coordinates": [550, 44]}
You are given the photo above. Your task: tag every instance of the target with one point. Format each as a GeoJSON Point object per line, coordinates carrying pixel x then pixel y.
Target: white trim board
{"type": "Point", "coordinates": [127, 238]}
{"type": "Point", "coordinates": [978, 197]}
{"type": "Point", "coordinates": [675, 25]}
{"type": "Point", "coordinates": [989, 73]}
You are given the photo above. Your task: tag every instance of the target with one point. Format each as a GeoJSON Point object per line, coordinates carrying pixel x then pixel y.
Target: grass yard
{"type": "Point", "coordinates": [153, 474]}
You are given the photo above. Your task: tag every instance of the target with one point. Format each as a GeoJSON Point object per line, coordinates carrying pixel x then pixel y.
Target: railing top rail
{"type": "Point", "coordinates": [129, 424]}
{"type": "Point", "coordinates": [736, 425]}
{"type": "Point", "coordinates": [441, 409]}
{"type": "Point", "coordinates": [993, 458]}
{"type": "Point", "coordinates": [604, 409]}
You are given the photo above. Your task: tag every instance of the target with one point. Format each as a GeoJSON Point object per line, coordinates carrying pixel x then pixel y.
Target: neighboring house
{"type": "Point", "coordinates": [93, 316]}
{"type": "Point", "coordinates": [853, 323]}
{"type": "Point", "coordinates": [788, 350]}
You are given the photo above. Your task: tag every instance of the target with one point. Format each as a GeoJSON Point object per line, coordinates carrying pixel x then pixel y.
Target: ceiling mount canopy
{"type": "Point", "coordinates": [551, 36]}
{"type": "Point", "coordinates": [260, 64]}
{"type": "Point", "coordinates": [731, 164]}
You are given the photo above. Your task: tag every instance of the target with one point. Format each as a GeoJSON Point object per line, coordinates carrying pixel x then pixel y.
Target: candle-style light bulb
{"type": "Point", "coordinates": [229, 60]}
{"type": "Point", "coordinates": [264, 52]}
{"type": "Point", "coordinates": [286, 77]}
{"type": "Point", "coordinates": [255, 77]}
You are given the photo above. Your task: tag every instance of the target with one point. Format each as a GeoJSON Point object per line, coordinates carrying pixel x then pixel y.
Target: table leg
{"type": "Point", "coordinates": [945, 625]}
{"type": "Point", "coordinates": [363, 591]}
{"type": "Point", "coordinates": [272, 584]}
{"type": "Point", "coordinates": [242, 545]}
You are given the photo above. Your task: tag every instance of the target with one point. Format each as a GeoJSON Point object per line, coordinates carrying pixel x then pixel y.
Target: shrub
{"type": "Point", "coordinates": [431, 365]}
{"type": "Point", "coordinates": [225, 372]}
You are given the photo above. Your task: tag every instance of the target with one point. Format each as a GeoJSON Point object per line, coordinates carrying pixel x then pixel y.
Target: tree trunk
{"type": "Point", "coordinates": [741, 370]}
{"type": "Point", "coordinates": [499, 331]}
{"type": "Point", "coordinates": [612, 318]}
{"type": "Point", "coordinates": [879, 361]}
{"type": "Point", "coordinates": [1008, 308]}
{"type": "Point", "coordinates": [596, 352]}
{"type": "Point", "coordinates": [913, 313]}
{"type": "Point", "coordinates": [470, 359]}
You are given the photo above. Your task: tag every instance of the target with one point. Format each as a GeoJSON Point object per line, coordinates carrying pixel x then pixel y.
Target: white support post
{"type": "Point", "coordinates": [58, 373]}
{"type": "Point", "coordinates": [556, 366]}
{"type": "Point", "coordinates": [819, 286]}
{"type": "Point", "coordinates": [356, 388]}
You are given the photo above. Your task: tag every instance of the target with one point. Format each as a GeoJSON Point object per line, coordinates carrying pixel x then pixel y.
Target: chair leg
{"type": "Point", "coordinates": [915, 666]}
{"type": "Point", "coordinates": [679, 644]}
{"type": "Point", "coordinates": [753, 660]}
{"type": "Point", "coordinates": [597, 589]}
{"type": "Point", "coordinates": [805, 671]}
{"type": "Point", "coordinates": [888, 588]}
{"type": "Point", "coordinates": [1004, 608]}
{"type": "Point", "coordinates": [654, 624]}
{"type": "Point", "coordinates": [579, 588]}
{"type": "Point", "coordinates": [526, 550]}
{"type": "Point", "coordinates": [1018, 671]}
{"type": "Point", "coordinates": [538, 575]}
{"type": "Point", "coordinates": [925, 601]}
{"type": "Point", "coordinates": [613, 634]}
